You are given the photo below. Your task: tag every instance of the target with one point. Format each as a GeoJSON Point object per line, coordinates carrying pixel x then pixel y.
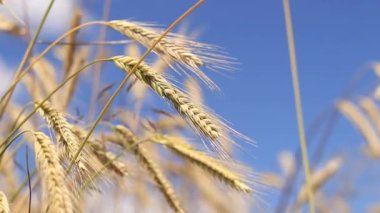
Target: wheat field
{"type": "Point", "coordinates": [92, 124]}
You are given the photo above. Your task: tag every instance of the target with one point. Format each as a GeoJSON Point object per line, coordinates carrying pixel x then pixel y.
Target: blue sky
{"type": "Point", "coordinates": [334, 39]}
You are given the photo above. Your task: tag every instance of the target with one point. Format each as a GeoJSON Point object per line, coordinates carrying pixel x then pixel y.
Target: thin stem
{"type": "Point", "coordinates": [108, 104]}
{"type": "Point", "coordinates": [27, 53]}
{"type": "Point", "coordinates": [298, 103]}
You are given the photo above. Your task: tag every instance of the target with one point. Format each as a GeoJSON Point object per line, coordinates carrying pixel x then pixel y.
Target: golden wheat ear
{"type": "Point", "coordinates": [8, 26]}
{"type": "Point", "coordinates": [4, 205]}
{"type": "Point", "coordinates": [206, 162]}
{"type": "Point", "coordinates": [68, 139]}
{"type": "Point", "coordinates": [53, 176]}
{"type": "Point", "coordinates": [129, 141]}
{"type": "Point", "coordinates": [319, 178]}
{"type": "Point", "coordinates": [185, 54]}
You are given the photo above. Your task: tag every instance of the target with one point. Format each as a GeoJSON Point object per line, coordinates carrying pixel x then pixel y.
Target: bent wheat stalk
{"type": "Point", "coordinates": [56, 190]}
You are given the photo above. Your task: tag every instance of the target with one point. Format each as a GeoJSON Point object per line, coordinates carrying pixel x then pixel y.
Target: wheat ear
{"type": "Point", "coordinates": [8, 26]}
{"type": "Point", "coordinates": [182, 103]}
{"type": "Point", "coordinates": [66, 136]}
{"type": "Point", "coordinates": [56, 190]}
{"type": "Point", "coordinates": [4, 206]}
{"type": "Point", "coordinates": [174, 48]}
{"type": "Point", "coordinates": [162, 182]}
{"type": "Point", "coordinates": [362, 124]}
{"type": "Point", "coordinates": [319, 178]}
{"type": "Point", "coordinates": [206, 162]}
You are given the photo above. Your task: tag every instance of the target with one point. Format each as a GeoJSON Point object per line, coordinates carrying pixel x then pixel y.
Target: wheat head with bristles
{"type": "Point", "coordinates": [164, 185]}
{"type": "Point", "coordinates": [200, 119]}
{"type": "Point", "coordinates": [319, 178]}
{"type": "Point", "coordinates": [66, 137]}
{"type": "Point", "coordinates": [175, 48]}
{"type": "Point", "coordinates": [362, 124]}
{"type": "Point", "coordinates": [370, 108]}
{"type": "Point", "coordinates": [8, 26]}
{"type": "Point", "coordinates": [57, 193]}
{"type": "Point", "coordinates": [205, 161]}
{"type": "Point", "coordinates": [4, 205]}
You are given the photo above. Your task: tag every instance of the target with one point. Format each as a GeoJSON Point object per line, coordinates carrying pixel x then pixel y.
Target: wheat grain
{"type": "Point", "coordinates": [57, 193]}
{"type": "Point", "coordinates": [129, 140]}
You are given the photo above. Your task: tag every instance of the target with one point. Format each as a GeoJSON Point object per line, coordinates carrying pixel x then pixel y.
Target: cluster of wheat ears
{"type": "Point", "coordinates": [136, 153]}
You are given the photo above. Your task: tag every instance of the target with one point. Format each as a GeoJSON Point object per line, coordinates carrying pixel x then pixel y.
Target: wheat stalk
{"type": "Point", "coordinates": [189, 54]}
{"type": "Point", "coordinates": [57, 193]}
{"type": "Point", "coordinates": [206, 162]}
{"type": "Point", "coordinates": [129, 140]}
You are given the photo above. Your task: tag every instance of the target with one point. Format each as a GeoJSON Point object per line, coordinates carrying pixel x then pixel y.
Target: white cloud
{"type": "Point", "coordinates": [58, 20]}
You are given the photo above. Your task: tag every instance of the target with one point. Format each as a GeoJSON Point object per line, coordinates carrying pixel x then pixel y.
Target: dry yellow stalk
{"type": "Point", "coordinates": [57, 193]}
{"type": "Point", "coordinates": [129, 142]}
{"type": "Point", "coordinates": [174, 48]}
{"type": "Point", "coordinates": [4, 205]}
{"type": "Point", "coordinates": [78, 61]}
{"type": "Point", "coordinates": [206, 162]}
{"type": "Point", "coordinates": [362, 124]}
{"type": "Point", "coordinates": [71, 39]}
{"type": "Point", "coordinates": [319, 178]}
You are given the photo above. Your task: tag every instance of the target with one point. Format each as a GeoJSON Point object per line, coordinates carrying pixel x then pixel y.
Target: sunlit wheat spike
{"type": "Point", "coordinates": [206, 162]}
{"type": "Point", "coordinates": [174, 48]}
{"type": "Point", "coordinates": [55, 189]}
{"type": "Point", "coordinates": [109, 158]}
{"type": "Point", "coordinates": [8, 26]}
{"type": "Point", "coordinates": [181, 102]}
{"type": "Point", "coordinates": [319, 178]}
{"type": "Point", "coordinates": [4, 205]}
{"type": "Point", "coordinates": [162, 182]}
{"type": "Point", "coordinates": [362, 124]}
{"type": "Point", "coordinates": [371, 109]}
{"type": "Point", "coordinates": [65, 136]}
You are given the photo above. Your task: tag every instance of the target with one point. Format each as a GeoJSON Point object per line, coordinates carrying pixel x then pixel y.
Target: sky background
{"type": "Point", "coordinates": [334, 40]}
